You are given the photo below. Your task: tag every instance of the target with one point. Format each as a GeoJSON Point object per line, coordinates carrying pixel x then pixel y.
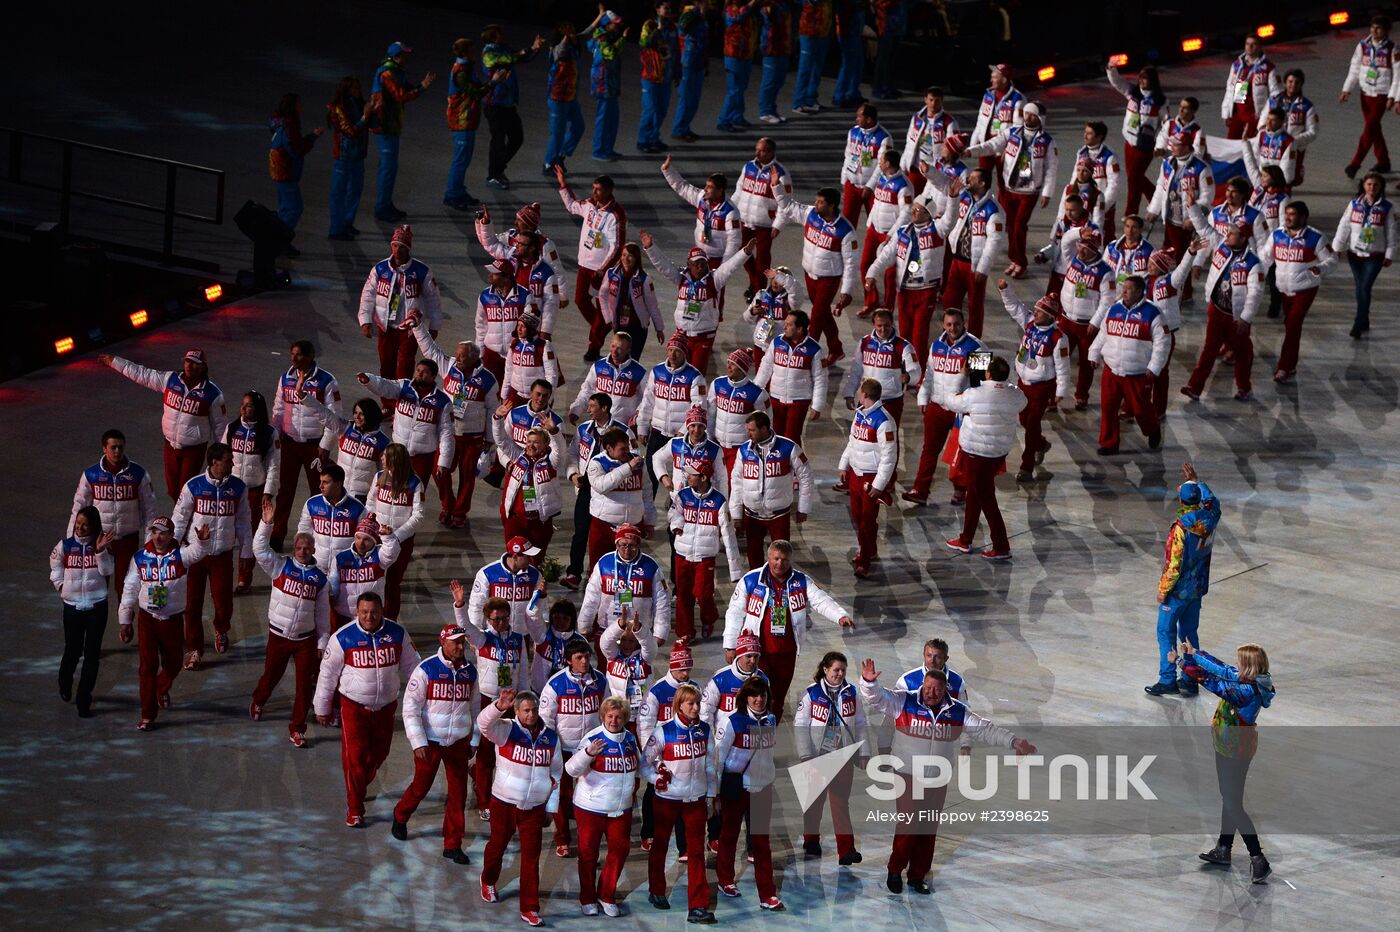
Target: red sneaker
{"type": "Point", "coordinates": [488, 893]}
{"type": "Point", "coordinates": [221, 643]}
{"type": "Point", "coordinates": [255, 711]}
{"type": "Point", "coordinates": [955, 543]}
{"type": "Point", "coordinates": [561, 851]}
{"type": "Point", "coordinates": [646, 844]}
{"type": "Point", "coordinates": [298, 739]}
{"type": "Point", "coordinates": [164, 700]}
{"type": "Point", "coordinates": [729, 889]}
{"type": "Point", "coordinates": [992, 555]}
{"type": "Point", "coordinates": [714, 846]}
{"type": "Point", "coordinates": [531, 919]}
{"type": "Point", "coordinates": [772, 903]}
{"type": "Point", "coordinates": [145, 724]}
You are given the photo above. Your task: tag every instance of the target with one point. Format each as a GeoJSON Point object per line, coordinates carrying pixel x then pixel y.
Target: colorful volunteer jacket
{"type": "Point", "coordinates": [639, 585]}
{"type": "Point", "coordinates": [828, 719]}
{"type": "Point", "coordinates": [1372, 68]}
{"type": "Point", "coordinates": [762, 479]}
{"type": "Point", "coordinates": [829, 247]}
{"type": "Point", "coordinates": [871, 447]}
{"type": "Point", "coordinates": [332, 524]}
{"type": "Point", "coordinates": [945, 370]}
{"type": "Point", "coordinates": [913, 681]}
{"type": "Point", "coordinates": [629, 301]}
{"type": "Point", "coordinates": [401, 511]}
{"type": "Point", "coordinates": [155, 582]}
{"type": "Point", "coordinates": [1142, 114]}
{"type": "Point", "coordinates": [894, 199]}
{"type": "Point", "coordinates": [1183, 184]}
{"type": "Point", "coordinates": [885, 361]}
{"type": "Point", "coordinates": [756, 591]}
{"type": "Point", "coordinates": [915, 252]}
{"type": "Point", "coordinates": [603, 233]}
{"type": "Point", "coordinates": [922, 731]}
{"type": "Point", "coordinates": [439, 703]}
{"type": "Point", "coordinates": [775, 29]}
{"type": "Point", "coordinates": [79, 573]}
{"type": "Point", "coordinates": [366, 668]}
{"type": "Point", "coordinates": [677, 754]}
{"type": "Point", "coordinates": [979, 233]}
{"type": "Point", "coordinates": [353, 574]}
{"type": "Point", "coordinates": [701, 523]}
{"type": "Point", "coordinates": [257, 460]}
{"type": "Point", "coordinates": [998, 114]}
{"type": "Point", "coordinates": [730, 403]}
{"type": "Point", "coordinates": [464, 97]}
{"type": "Point", "coordinates": [1044, 351]}
{"type": "Point", "coordinates": [717, 226]}
{"type": "Point", "coordinates": [1088, 289]}
{"type": "Point", "coordinates": [660, 52]}
{"type": "Point", "coordinates": [606, 784]}
{"type": "Point", "coordinates": [721, 692]}
{"type": "Point", "coordinates": [220, 505]}
{"type": "Point", "coordinates": [745, 744]}
{"type": "Point", "coordinates": [469, 392]}
{"type": "Point", "coordinates": [562, 78]}
{"type": "Point", "coordinates": [815, 19]}
{"type": "Point", "coordinates": [656, 707]}
{"type": "Point", "coordinates": [496, 57]}
{"type": "Point", "coordinates": [1240, 701]}
{"type": "Point", "coordinates": [357, 451]}
{"type": "Point", "coordinates": [923, 141]}
{"type": "Point", "coordinates": [1132, 340]}
{"type": "Point", "coordinates": [758, 192]}
{"type": "Point", "coordinates": [622, 382]}
{"type": "Point", "coordinates": [495, 580]}
{"type": "Point", "coordinates": [1250, 84]}
{"type": "Point", "coordinates": [1366, 228]}
{"type": "Point", "coordinates": [692, 33]}
{"type": "Point", "coordinates": [192, 414]}
{"type": "Point", "coordinates": [1235, 282]}
{"type": "Point", "coordinates": [628, 674]}
{"type": "Point", "coordinates": [298, 421]}
{"type": "Point", "coordinates": [389, 93]}
{"type": "Point", "coordinates": [496, 314]}
{"type": "Point", "coordinates": [605, 72]}
{"type": "Point", "coordinates": [740, 31]}
{"type": "Point", "coordinates": [569, 704]}
{"type": "Point", "coordinates": [535, 483]}
{"type": "Point", "coordinates": [697, 299]}
{"type": "Point", "coordinates": [1300, 259]}
{"type": "Point", "coordinates": [864, 148]}
{"type": "Point", "coordinates": [795, 372]}
{"type": "Point", "coordinates": [672, 458]}
{"type": "Point", "coordinates": [349, 130]}
{"type": "Point", "coordinates": [528, 763]}
{"type": "Point", "coordinates": [528, 360]}
{"type": "Point", "coordinates": [287, 149]}
{"type": "Point", "coordinates": [124, 499]}
{"type": "Point", "coordinates": [392, 294]}
{"type": "Point", "coordinates": [1190, 542]}
{"type": "Point", "coordinates": [1030, 159]}
{"type": "Point", "coordinates": [619, 494]}
{"type": "Point", "coordinates": [299, 604]}
{"type": "Point", "coordinates": [667, 395]}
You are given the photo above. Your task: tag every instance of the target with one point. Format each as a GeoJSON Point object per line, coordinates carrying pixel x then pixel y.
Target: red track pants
{"type": "Point", "coordinates": [306, 663]}
{"type": "Point", "coordinates": [457, 758]}
{"type": "Point", "coordinates": [365, 739]}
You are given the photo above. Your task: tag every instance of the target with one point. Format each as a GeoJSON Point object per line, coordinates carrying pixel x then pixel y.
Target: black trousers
{"type": "Point", "coordinates": [655, 441]}
{"type": "Point", "coordinates": [578, 547]}
{"type": "Point", "coordinates": [507, 136]}
{"type": "Point", "coordinates": [82, 639]}
{"type": "Point", "coordinates": [1230, 773]}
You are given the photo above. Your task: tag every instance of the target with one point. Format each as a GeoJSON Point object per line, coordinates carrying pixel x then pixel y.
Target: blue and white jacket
{"type": "Point", "coordinates": [439, 703]}
{"type": "Point", "coordinates": [220, 505]}
{"type": "Point", "coordinates": [650, 596]}
{"type": "Point", "coordinates": [606, 783]}
{"type": "Point", "coordinates": [365, 667]}
{"type": "Point", "coordinates": [684, 750]}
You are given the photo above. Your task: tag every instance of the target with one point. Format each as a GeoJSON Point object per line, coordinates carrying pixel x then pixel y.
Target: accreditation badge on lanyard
{"type": "Point", "coordinates": [531, 498]}
{"type": "Point", "coordinates": [777, 604]}
{"type": "Point", "coordinates": [831, 734]}
{"type": "Point", "coordinates": [596, 239]}
{"type": "Point", "coordinates": [622, 595]}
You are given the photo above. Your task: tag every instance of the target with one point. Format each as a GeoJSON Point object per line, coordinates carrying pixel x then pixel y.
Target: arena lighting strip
{"type": "Point", "coordinates": [212, 293]}
{"type": "Point", "coordinates": [1193, 44]}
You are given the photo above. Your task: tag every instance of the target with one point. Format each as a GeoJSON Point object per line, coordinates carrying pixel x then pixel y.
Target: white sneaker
{"type": "Point", "coordinates": [612, 910]}
{"type": "Point", "coordinates": [590, 909]}
{"type": "Point", "coordinates": [772, 118]}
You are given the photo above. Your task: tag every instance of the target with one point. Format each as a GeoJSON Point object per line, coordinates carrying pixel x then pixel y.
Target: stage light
{"type": "Point", "coordinates": [214, 292]}
{"type": "Point", "coordinates": [139, 318]}
{"type": "Point", "coordinates": [65, 345]}
{"type": "Point", "coordinates": [1339, 18]}
{"type": "Point", "coordinates": [1046, 74]}
{"type": "Point", "coordinates": [1119, 60]}
{"type": "Point", "coordinates": [1193, 44]}
{"type": "Point", "coordinates": [1265, 31]}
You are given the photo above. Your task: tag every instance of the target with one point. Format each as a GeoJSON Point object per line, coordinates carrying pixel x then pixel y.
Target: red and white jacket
{"type": "Point", "coordinates": [79, 573]}
{"type": "Point", "coordinates": [1366, 228]}
{"type": "Point", "coordinates": [528, 764]}
{"type": "Point", "coordinates": [1089, 288]}
{"type": "Point", "coordinates": [684, 749]}
{"type": "Point", "coordinates": [352, 574]}
{"type": "Point", "coordinates": [496, 314]}
{"type": "Point", "coordinates": [1132, 340]}
{"type": "Point", "coordinates": [365, 667]}
{"type": "Point", "coordinates": [1300, 259]}
{"type": "Point", "coordinates": [618, 494]}
{"type": "Point", "coordinates": [894, 199]}
{"type": "Point", "coordinates": [923, 141]}
{"type": "Point", "coordinates": [220, 505]}
{"type": "Point", "coordinates": [1251, 84]}
{"type": "Point", "coordinates": [767, 478]}
{"type": "Point", "coordinates": [1029, 159]}
{"type": "Point", "coordinates": [604, 230]}
{"type": "Point", "coordinates": [401, 511]}
{"type": "Point", "coordinates": [541, 474]}
{"type": "Point", "coordinates": [667, 396]}
{"type": "Point", "coordinates": [794, 373]}
{"type": "Point", "coordinates": [988, 234]}
{"type": "Point", "coordinates": [191, 414]}
{"type": "Point", "coordinates": [945, 370]}
{"type": "Point", "coordinates": [697, 300]}
{"type": "Point", "coordinates": [1143, 113]}
{"type": "Point", "coordinates": [915, 253]}
{"type": "Point", "coordinates": [717, 226]}
{"type": "Point", "coordinates": [529, 360]}
{"type": "Point", "coordinates": [821, 706]}
{"type": "Point", "coordinates": [758, 192]}
{"type": "Point", "coordinates": [439, 702]}
{"type": "Point", "coordinates": [299, 603]}
{"type": "Point", "coordinates": [829, 248]}
{"type": "Point", "coordinates": [1372, 68]}
{"type": "Point", "coordinates": [1044, 351]}
{"type": "Point", "coordinates": [885, 361]}
{"type": "Point", "coordinates": [422, 423]}
{"type": "Point", "coordinates": [469, 391]}
{"type": "Point", "coordinates": [871, 447]}
{"type": "Point", "coordinates": [701, 523]}
{"type": "Point", "coordinates": [864, 149]}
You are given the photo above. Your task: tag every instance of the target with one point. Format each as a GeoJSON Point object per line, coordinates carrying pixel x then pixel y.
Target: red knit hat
{"type": "Point", "coordinates": [681, 658]}
{"type": "Point", "coordinates": [403, 234]}
{"type": "Point", "coordinates": [748, 644]}
{"type": "Point", "coordinates": [1050, 304]}
{"type": "Point", "coordinates": [1162, 261]}
{"type": "Point", "coordinates": [956, 143]}
{"type": "Point", "coordinates": [697, 253]}
{"type": "Point", "coordinates": [742, 358]}
{"type": "Point", "coordinates": [696, 415]}
{"type": "Point", "coordinates": [368, 526]}
{"type": "Point", "coordinates": [678, 339]}
{"type": "Point", "coordinates": [626, 530]}
{"type": "Point", "coordinates": [528, 216]}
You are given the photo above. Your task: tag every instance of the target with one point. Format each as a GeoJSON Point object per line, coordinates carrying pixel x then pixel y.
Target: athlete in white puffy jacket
{"type": "Point", "coordinates": [298, 606]}
{"type": "Point", "coordinates": [193, 411]}
{"type": "Point", "coordinates": [524, 780]}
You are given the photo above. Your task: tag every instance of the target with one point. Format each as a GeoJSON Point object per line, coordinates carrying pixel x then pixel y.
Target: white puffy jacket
{"type": "Point", "coordinates": [829, 248]}
{"type": "Point", "coordinates": [220, 505]}
{"type": "Point", "coordinates": [1133, 340]}
{"type": "Point", "coordinates": [299, 604]}
{"type": "Point", "coordinates": [766, 478]}
{"type": "Point", "coordinates": [528, 766]}
{"type": "Point", "coordinates": [439, 703]}
{"type": "Point", "coordinates": [190, 415]}
{"type": "Point", "coordinates": [78, 572]}
{"type": "Point", "coordinates": [365, 668]}
{"type": "Point", "coordinates": [549, 499]}
{"type": "Point", "coordinates": [701, 523]}
{"type": "Point", "coordinates": [684, 749]}
{"type": "Point", "coordinates": [744, 744]}
{"type": "Point", "coordinates": [124, 499]}
{"type": "Point", "coordinates": [402, 512]}
{"type": "Point", "coordinates": [988, 230]}
{"type": "Point", "coordinates": [1044, 352]}
{"type": "Point", "coordinates": [297, 420]}
{"type": "Point", "coordinates": [724, 235]}
{"type": "Point", "coordinates": [667, 396]}
{"type": "Point", "coordinates": [945, 370]}
{"type": "Point", "coordinates": [1300, 259]}
{"type": "Point", "coordinates": [871, 448]}
{"type": "Point", "coordinates": [890, 362]}
{"type": "Point", "coordinates": [422, 423]}
{"type": "Point", "coordinates": [569, 704]}
{"type": "Point", "coordinates": [355, 452]}
{"type": "Point", "coordinates": [893, 201]}
{"type": "Point", "coordinates": [697, 302]}
{"type": "Point", "coordinates": [757, 193]}
{"type": "Point", "coordinates": [1035, 149]}
{"type": "Point", "coordinates": [989, 417]}
{"type": "Point", "coordinates": [257, 470]}
{"type": "Point", "coordinates": [618, 494]}
{"type": "Point", "coordinates": [795, 373]}
{"type": "Point", "coordinates": [911, 272]}
{"type": "Point", "coordinates": [606, 784]}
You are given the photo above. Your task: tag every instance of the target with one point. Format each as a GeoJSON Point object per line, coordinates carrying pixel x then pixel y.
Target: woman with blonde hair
{"type": "Point", "coordinates": [396, 501]}
{"type": "Point", "coordinates": [678, 765]}
{"type": "Point", "coordinates": [1244, 690]}
{"type": "Point", "coordinates": [605, 768]}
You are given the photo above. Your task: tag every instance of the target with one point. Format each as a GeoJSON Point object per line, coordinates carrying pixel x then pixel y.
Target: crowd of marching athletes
{"type": "Point", "coordinates": [560, 712]}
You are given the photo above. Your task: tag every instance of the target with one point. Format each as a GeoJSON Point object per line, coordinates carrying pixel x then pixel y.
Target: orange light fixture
{"type": "Point", "coordinates": [1193, 44]}
{"type": "Point", "coordinates": [1265, 31]}
{"type": "Point", "coordinates": [1119, 60]}
{"type": "Point", "coordinates": [1046, 74]}
{"type": "Point", "coordinates": [64, 345]}
{"type": "Point", "coordinates": [214, 292]}
{"type": "Point", "coordinates": [1339, 18]}
{"type": "Point", "coordinates": [139, 318]}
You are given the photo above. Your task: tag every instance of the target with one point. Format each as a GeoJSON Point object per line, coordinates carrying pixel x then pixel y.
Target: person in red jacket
{"type": "Point", "coordinates": [463, 117]}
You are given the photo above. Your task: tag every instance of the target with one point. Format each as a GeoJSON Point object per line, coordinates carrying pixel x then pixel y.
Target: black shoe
{"type": "Point", "coordinates": [748, 294]}
{"type": "Point", "coordinates": [1351, 170]}
{"type": "Point", "coordinates": [65, 690]}
{"type": "Point", "coordinates": [894, 883]}
{"type": "Point", "coordinates": [457, 855]}
{"type": "Point", "coordinates": [1356, 333]}
{"type": "Point", "coordinates": [1108, 451]}
{"type": "Point", "coordinates": [847, 860]}
{"type": "Point", "coordinates": [1161, 689]}
{"type": "Point", "coordinates": [811, 850]}
{"type": "Point", "coordinates": [592, 356]}
{"type": "Point", "coordinates": [345, 237]}
{"type": "Point", "coordinates": [658, 900]}
{"type": "Point", "coordinates": [1187, 687]}
{"type": "Point", "coordinates": [400, 830]}
{"type": "Point", "coordinates": [701, 917]}
{"type": "Point", "coordinates": [1259, 868]}
{"type": "Point", "coordinates": [1154, 441]}
{"type": "Point", "coordinates": [85, 711]}
{"type": "Point", "coordinates": [1217, 855]}
{"type": "Point", "coordinates": [920, 887]}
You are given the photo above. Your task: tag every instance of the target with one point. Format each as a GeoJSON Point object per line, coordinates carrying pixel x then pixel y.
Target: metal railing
{"type": "Point", "coordinates": [67, 189]}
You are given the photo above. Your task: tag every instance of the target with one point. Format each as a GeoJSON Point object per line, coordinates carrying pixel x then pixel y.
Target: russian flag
{"type": "Point", "coordinates": [1226, 158]}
